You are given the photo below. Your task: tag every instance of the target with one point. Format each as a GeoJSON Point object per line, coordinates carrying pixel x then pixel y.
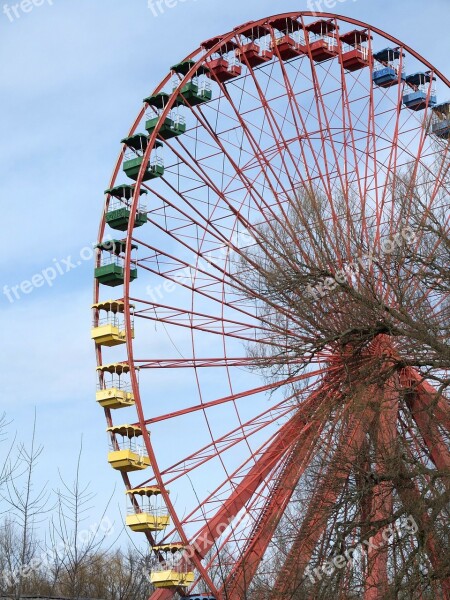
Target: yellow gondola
{"type": "Point", "coordinates": [149, 517]}
{"type": "Point", "coordinates": [175, 575]}
{"type": "Point", "coordinates": [110, 329]}
{"type": "Point", "coordinates": [115, 393]}
{"type": "Point", "coordinates": [127, 456]}
{"type": "Point", "coordinates": [171, 578]}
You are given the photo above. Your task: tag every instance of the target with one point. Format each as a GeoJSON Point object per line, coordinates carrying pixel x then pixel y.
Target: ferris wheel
{"type": "Point", "coordinates": [224, 408]}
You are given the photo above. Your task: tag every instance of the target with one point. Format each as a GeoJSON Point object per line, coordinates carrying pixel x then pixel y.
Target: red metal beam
{"type": "Point", "coordinates": [274, 454]}
{"type": "Point", "coordinates": [320, 507]}
{"type": "Point", "coordinates": [430, 433]}
{"type": "Point", "coordinates": [237, 396]}
{"type": "Point", "coordinates": [237, 582]}
{"type": "Point", "coordinates": [413, 501]}
{"type": "Point", "coordinates": [428, 397]}
{"type": "Point", "coordinates": [376, 583]}
{"type": "Point", "coordinates": [424, 396]}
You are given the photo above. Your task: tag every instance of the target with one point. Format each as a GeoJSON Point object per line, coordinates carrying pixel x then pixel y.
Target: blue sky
{"type": "Point", "coordinates": [73, 74]}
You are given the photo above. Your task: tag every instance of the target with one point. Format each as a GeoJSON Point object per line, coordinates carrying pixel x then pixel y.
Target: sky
{"type": "Point", "coordinates": [73, 74]}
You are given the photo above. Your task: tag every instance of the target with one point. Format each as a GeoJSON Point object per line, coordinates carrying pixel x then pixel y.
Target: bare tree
{"type": "Point", "coordinates": [125, 576]}
{"type": "Point", "coordinates": [76, 544]}
{"type": "Point", "coordinates": [331, 279]}
{"type": "Point", "coordinates": [27, 508]}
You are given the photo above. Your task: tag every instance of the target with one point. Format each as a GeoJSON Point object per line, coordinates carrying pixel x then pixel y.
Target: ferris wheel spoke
{"type": "Point", "coordinates": [350, 124]}
{"type": "Point", "coordinates": [261, 156]}
{"type": "Point", "coordinates": [174, 265]}
{"type": "Point", "coordinates": [440, 237]}
{"type": "Point", "coordinates": [311, 414]}
{"type": "Point", "coordinates": [236, 436]}
{"type": "Point", "coordinates": [420, 147]}
{"type": "Point", "coordinates": [297, 113]}
{"type": "Point", "coordinates": [171, 273]}
{"type": "Point", "coordinates": [225, 442]}
{"type": "Point", "coordinates": [207, 181]}
{"type": "Point", "coordinates": [217, 325]}
{"type": "Point", "coordinates": [245, 394]}
{"type": "Point", "coordinates": [277, 133]}
{"type": "Point", "coordinates": [261, 159]}
{"type": "Point", "coordinates": [202, 363]}
{"type": "Point", "coordinates": [216, 499]}
{"type": "Point", "coordinates": [372, 150]}
{"type": "Point", "coordinates": [266, 166]}
{"type": "Point", "coordinates": [250, 483]}
{"type": "Point", "coordinates": [201, 322]}
{"type": "Point", "coordinates": [252, 506]}
{"type": "Point", "coordinates": [325, 178]}
{"type": "Point", "coordinates": [242, 530]}
{"type": "Point", "coordinates": [324, 125]}
{"type": "Point", "coordinates": [392, 168]}
{"type": "Point", "coordinates": [276, 122]}
{"type": "Point", "coordinates": [248, 480]}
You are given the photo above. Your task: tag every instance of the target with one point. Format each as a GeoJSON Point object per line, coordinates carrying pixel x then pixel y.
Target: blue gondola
{"type": "Point", "coordinates": [441, 120]}
{"type": "Point", "coordinates": [442, 129]}
{"type": "Point", "coordinates": [419, 98]}
{"type": "Point", "coordinates": [387, 76]}
{"type": "Point", "coordinates": [388, 55]}
{"type": "Point", "coordinates": [389, 73]}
